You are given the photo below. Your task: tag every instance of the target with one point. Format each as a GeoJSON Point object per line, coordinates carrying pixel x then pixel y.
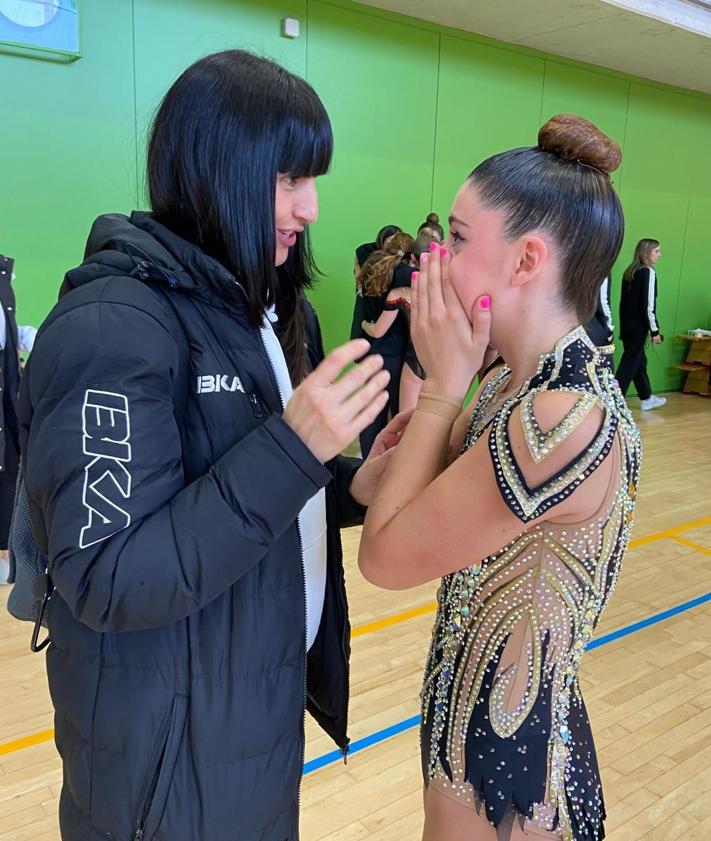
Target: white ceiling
{"type": "Point", "coordinates": [662, 40]}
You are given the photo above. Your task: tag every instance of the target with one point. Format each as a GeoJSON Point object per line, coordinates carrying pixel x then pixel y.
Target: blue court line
{"type": "Point", "coordinates": [411, 723]}
{"type": "Point", "coordinates": [652, 620]}
{"type": "Point", "coordinates": [361, 744]}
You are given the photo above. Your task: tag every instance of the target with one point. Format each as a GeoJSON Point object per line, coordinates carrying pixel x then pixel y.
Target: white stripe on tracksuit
{"type": "Point", "coordinates": [651, 298]}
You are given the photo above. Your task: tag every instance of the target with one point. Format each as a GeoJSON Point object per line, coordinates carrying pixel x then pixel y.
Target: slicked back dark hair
{"type": "Point", "coordinates": [562, 186]}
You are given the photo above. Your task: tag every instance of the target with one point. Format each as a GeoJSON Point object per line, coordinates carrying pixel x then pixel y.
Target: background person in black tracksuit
{"type": "Point", "coordinates": [180, 438]}
{"type": "Point", "coordinates": [12, 340]}
{"type": "Point", "coordinates": [361, 256]}
{"type": "Point", "coordinates": [397, 305]}
{"type": "Point", "coordinates": [600, 327]}
{"type": "Point", "coordinates": [638, 321]}
{"type": "Point", "coordinates": [367, 248]}
{"type": "Point", "coordinates": [387, 269]}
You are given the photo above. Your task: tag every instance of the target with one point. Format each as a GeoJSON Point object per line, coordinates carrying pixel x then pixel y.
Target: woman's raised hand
{"type": "Point", "coordinates": [328, 411]}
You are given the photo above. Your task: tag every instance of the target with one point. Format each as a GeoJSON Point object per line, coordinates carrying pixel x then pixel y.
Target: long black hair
{"type": "Point", "coordinates": [226, 127]}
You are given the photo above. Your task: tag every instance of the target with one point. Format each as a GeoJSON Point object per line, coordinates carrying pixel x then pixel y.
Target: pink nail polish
{"type": "Point", "coordinates": [414, 277]}
{"type": "Point", "coordinates": [443, 250]}
{"type": "Point", "coordinates": [424, 258]}
{"type": "Point", "coordinates": [485, 302]}
{"type": "Point", "coordinates": [433, 246]}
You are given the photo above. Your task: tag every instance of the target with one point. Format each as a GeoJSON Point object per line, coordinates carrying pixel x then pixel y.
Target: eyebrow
{"type": "Point", "coordinates": [457, 221]}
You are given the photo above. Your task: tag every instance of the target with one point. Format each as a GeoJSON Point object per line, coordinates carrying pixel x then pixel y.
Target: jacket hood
{"type": "Point", "coordinates": [139, 246]}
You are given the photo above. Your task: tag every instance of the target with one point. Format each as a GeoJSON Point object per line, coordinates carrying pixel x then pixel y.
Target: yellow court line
{"type": "Point", "coordinates": [26, 742]}
{"type": "Point", "coordinates": [397, 618]}
{"type": "Point", "coordinates": [694, 546]}
{"type": "Point", "coordinates": [660, 535]}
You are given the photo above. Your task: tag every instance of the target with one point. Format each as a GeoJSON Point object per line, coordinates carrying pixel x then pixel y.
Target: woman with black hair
{"type": "Point", "coordinates": [367, 248]}
{"type": "Point", "coordinates": [182, 468]}
{"type": "Point", "coordinates": [394, 314]}
{"type": "Point", "coordinates": [385, 277]}
{"type": "Point", "coordinates": [524, 504]}
{"type": "Point", "coordinates": [362, 253]}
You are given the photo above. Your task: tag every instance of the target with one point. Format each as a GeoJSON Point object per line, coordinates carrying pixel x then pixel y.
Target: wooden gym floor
{"type": "Point", "coordinates": [647, 683]}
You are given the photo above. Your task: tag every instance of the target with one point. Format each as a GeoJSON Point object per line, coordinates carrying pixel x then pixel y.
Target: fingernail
{"type": "Point", "coordinates": [443, 250]}
{"type": "Point", "coordinates": [484, 302]}
{"type": "Point", "coordinates": [424, 258]}
{"type": "Point", "coordinates": [433, 246]}
{"type": "Point", "coordinates": [413, 278]}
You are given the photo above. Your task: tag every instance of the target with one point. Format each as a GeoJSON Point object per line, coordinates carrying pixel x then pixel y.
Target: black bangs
{"type": "Point", "coordinates": [305, 142]}
{"type": "Point", "coordinates": [225, 129]}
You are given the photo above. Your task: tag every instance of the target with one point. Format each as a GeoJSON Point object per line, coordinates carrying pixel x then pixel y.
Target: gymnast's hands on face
{"type": "Point", "coordinates": [449, 341]}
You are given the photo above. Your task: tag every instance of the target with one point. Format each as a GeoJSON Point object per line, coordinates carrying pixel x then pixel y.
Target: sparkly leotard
{"type": "Point", "coordinates": [504, 724]}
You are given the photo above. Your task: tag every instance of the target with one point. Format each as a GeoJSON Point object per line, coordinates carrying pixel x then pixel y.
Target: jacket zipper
{"type": "Point", "coordinates": [152, 782]}
{"type": "Point", "coordinates": [346, 747]}
{"type": "Point", "coordinates": [341, 585]}
{"type": "Point", "coordinates": [306, 610]}
{"type": "Point", "coordinates": [306, 657]}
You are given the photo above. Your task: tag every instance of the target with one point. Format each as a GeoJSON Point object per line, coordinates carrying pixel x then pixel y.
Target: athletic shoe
{"type": "Point", "coordinates": [653, 402]}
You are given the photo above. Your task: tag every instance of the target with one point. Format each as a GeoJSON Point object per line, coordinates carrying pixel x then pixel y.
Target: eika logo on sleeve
{"type": "Point", "coordinates": [107, 482]}
{"type": "Point", "coordinates": [212, 383]}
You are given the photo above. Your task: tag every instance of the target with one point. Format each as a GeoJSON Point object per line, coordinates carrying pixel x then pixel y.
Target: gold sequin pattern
{"type": "Point", "coordinates": [531, 609]}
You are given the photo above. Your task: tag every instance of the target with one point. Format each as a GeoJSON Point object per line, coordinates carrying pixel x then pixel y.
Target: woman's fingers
{"type": "Point", "coordinates": [391, 435]}
{"type": "Point", "coordinates": [420, 290]}
{"type": "Point", "coordinates": [451, 299]}
{"type": "Point", "coordinates": [399, 423]}
{"type": "Point", "coordinates": [367, 415]}
{"type": "Point", "coordinates": [337, 360]}
{"type": "Point", "coordinates": [435, 299]}
{"type": "Point", "coordinates": [327, 415]}
{"type": "Point", "coordinates": [354, 404]}
{"type": "Point", "coordinates": [481, 320]}
{"type": "Point", "coordinates": [357, 377]}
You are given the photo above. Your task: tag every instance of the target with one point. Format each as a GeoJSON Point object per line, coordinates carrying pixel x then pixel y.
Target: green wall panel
{"type": "Point", "coordinates": [659, 161]}
{"type": "Point", "coordinates": [68, 152]}
{"type": "Point", "coordinates": [600, 98]}
{"type": "Point", "coordinates": [694, 300]}
{"type": "Point", "coordinates": [414, 108]}
{"type": "Point", "coordinates": [378, 81]}
{"type": "Point", "coordinates": [171, 35]}
{"type": "Point", "coordinates": [489, 100]}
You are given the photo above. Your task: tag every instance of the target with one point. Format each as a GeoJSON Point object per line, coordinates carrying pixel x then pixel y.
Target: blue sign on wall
{"type": "Point", "coordinates": [40, 24]}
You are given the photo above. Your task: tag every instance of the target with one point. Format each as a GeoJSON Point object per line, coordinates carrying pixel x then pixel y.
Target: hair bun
{"type": "Point", "coordinates": [574, 138]}
{"type": "Point", "coordinates": [433, 218]}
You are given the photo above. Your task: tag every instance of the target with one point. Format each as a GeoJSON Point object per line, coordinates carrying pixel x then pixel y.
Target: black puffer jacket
{"type": "Point", "coordinates": [165, 488]}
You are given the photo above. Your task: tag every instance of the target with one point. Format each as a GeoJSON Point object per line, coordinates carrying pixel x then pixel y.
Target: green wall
{"type": "Point", "coordinates": [414, 108]}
